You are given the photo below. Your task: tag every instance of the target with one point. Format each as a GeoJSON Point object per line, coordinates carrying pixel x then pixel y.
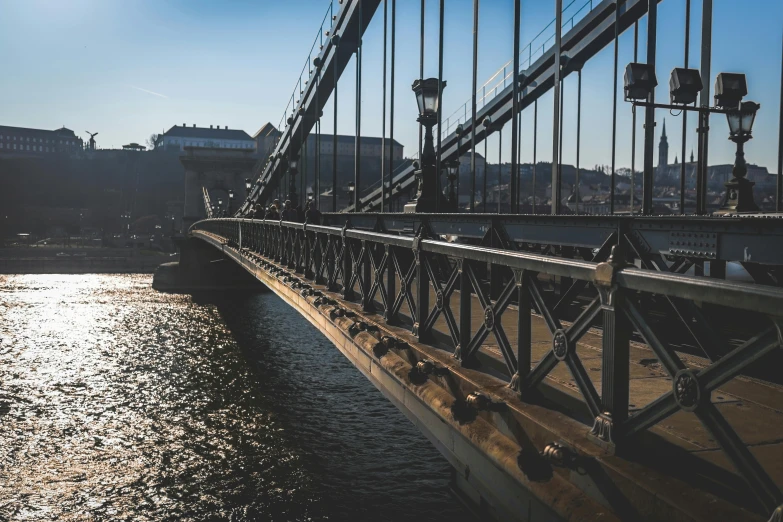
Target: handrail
{"type": "Point", "coordinates": [767, 300]}
{"type": "Point", "coordinates": [341, 259]}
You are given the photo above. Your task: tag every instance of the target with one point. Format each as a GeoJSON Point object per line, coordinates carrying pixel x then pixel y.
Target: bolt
{"type": "Point", "coordinates": [478, 401]}
{"type": "Point", "coordinates": [425, 367]}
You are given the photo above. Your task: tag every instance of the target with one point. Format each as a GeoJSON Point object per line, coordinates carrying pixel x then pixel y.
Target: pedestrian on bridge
{"type": "Point", "coordinates": [289, 212]}
{"type": "Point", "coordinates": [312, 214]}
{"type": "Point", "coordinates": [271, 213]}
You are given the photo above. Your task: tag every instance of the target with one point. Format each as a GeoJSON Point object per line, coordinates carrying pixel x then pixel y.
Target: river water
{"type": "Point", "coordinates": [121, 403]}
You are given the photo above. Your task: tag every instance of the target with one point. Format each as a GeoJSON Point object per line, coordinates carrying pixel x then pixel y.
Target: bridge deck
{"type": "Point", "coordinates": [676, 471]}
{"type": "Point", "coordinates": [753, 407]}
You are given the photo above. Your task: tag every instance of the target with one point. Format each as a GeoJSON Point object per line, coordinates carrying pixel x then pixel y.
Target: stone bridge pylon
{"type": "Point", "coordinates": [217, 170]}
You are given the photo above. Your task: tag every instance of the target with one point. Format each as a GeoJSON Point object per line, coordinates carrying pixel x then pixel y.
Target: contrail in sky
{"type": "Point", "coordinates": [148, 92]}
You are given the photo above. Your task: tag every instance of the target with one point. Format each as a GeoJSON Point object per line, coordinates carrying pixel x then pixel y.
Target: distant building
{"type": "Point", "coordinates": [179, 137]}
{"type": "Point", "coordinates": [267, 136]}
{"type": "Point", "coordinates": [266, 139]}
{"type": "Point", "coordinates": [20, 140]}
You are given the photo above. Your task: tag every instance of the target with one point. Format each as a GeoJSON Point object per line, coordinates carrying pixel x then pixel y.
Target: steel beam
{"type": "Point", "coordinates": [582, 42]}
{"type": "Point", "coordinates": [349, 26]}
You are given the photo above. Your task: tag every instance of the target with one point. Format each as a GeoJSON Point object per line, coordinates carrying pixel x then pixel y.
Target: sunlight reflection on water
{"type": "Point", "coordinates": [118, 402]}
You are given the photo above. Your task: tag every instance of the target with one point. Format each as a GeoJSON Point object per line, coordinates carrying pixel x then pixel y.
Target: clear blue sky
{"type": "Point", "coordinates": [128, 69]}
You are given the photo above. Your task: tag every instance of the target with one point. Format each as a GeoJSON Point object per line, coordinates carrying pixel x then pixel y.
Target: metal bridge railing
{"type": "Point", "coordinates": [432, 286]}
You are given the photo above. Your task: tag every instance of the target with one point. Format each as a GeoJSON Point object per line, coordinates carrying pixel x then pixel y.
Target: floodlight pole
{"type": "Point", "coordinates": [649, 116]}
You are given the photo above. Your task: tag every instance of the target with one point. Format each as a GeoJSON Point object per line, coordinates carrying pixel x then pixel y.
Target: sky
{"type": "Point", "coordinates": [130, 69]}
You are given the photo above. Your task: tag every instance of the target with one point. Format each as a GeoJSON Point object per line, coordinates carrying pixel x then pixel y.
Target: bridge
{"type": "Point", "coordinates": [569, 366]}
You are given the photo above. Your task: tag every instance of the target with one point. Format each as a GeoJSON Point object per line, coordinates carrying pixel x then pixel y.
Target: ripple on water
{"type": "Point", "coordinates": [118, 402]}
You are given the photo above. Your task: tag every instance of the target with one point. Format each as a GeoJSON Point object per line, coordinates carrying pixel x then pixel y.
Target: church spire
{"type": "Point", "coordinates": [663, 151]}
{"type": "Point", "coordinates": [691, 155]}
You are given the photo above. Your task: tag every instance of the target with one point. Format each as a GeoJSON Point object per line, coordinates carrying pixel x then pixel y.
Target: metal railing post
{"type": "Point", "coordinates": [391, 283]}
{"type": "Point", "coordinates": [524, 330]}
{"type": "Point", "coordinates": [464, 308]}
{"type": "Point", "coordinates": [422, 294]}
{"type": "Point", "coordinates": [308, 273]}
{"type": "Point", "coordinates": [616, 337]}
{"type": "Point", "coordinates": [347, 269]}
{"type": "Point", "coordinates": [365, 267]}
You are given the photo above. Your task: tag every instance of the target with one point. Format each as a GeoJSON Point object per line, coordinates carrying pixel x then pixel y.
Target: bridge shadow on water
{"type": "Point", "coordinates": [364, 460]}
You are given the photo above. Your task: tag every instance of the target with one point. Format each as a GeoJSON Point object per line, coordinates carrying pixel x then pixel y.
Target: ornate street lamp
{"type": "Point", "coordinates": [351, 189]}
{"type": "Point", "coordinates": [248, 185]}
{"type": "Point", "coordinates": [230, 201]}
{"type": "Point", "coordinates": [293, 197]}
{"type": "Point", "coordinates": [428, 94]}
{"type": "Point", "coordinates": [739, 191]}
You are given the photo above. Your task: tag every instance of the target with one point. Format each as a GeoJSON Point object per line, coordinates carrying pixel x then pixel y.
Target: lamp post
{"type": "Point", "coordinates": [351, 190]}
{"type": "Point", "coordinates": [293, 197]}
{"type": "Point", "coordinates": [460, 131]}
{"type": "Point", "coordinates": [248, 186]}
{"type": "Point", "coordinates": [428, 99]}
{"type": "Point", "coordinates": [220, 207]}
{"type": "Point", "coordinates": [739, 191]}
{"type": "Point", "coordinates": [230, 202]}
{"type": "Point", "coordinates": [453, 168]}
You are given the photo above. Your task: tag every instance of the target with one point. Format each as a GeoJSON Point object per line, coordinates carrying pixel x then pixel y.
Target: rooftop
{"type": "Point", "coordinates": [267, 129]}
{"type": "Point", "coordinates": [270, 130]}
{"type": "Point", "coordinates": [24, 130]}
{"type": "Point", "coordinates": [183, 131]}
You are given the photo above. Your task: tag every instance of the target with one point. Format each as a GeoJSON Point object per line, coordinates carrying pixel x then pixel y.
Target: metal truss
{"type": "Point", "coordinates": [363, 265]}
{"type": "Point", "coordinates": [583, 41]}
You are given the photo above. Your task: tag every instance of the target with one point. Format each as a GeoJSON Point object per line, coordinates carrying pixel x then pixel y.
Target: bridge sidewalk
{"type": "Point", "coordinates": [754, 408]}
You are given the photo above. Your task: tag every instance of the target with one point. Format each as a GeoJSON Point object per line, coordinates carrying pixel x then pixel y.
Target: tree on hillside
{"type": "Point", "coordinates": [152, 141]}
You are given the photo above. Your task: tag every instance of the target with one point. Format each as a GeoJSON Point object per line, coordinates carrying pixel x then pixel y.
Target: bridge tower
{"type": "Point", "coordinates": [218, 170]}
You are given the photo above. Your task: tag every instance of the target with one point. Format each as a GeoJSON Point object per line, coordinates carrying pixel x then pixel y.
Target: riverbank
{"type": "Point", "coordinates": [80, 261]}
